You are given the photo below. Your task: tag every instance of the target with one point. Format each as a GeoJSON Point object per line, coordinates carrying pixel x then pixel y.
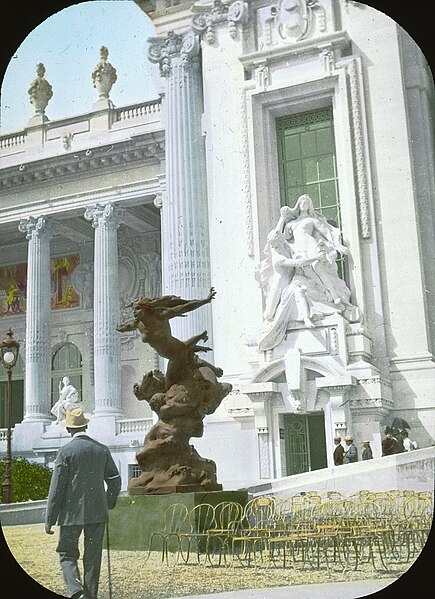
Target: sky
{"type": "Point", "coordinates": [68, 44]}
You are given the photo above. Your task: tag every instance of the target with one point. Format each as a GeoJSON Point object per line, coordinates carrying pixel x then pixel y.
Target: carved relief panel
{"type": "Point", "coordinates": [290, 21]}
{"type": "Point", "coordinates": [139, 265]}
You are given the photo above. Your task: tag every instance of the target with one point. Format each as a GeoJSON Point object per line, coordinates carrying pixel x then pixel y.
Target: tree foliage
{"type": "Point", "coordinates": [30, 481]}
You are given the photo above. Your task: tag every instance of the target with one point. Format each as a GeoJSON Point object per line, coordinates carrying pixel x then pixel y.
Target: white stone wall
{"type": "Point", "coordinates": [237, 308]}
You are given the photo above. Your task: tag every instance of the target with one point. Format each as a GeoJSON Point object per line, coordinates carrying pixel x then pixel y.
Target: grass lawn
{"type": "Point", "coordinates": [135, 577]}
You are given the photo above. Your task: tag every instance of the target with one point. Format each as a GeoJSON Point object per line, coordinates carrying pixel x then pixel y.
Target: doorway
{"type": "Point", "coordinates": [305, 442]}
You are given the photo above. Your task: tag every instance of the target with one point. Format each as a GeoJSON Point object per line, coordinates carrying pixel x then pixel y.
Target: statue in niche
{"type": "Point", "coordinates": [68, 399]}
{"type": "Point", "coordinates": [181, 398]}
{"type": "Point", "coordinates": [299, 275]}
{"type": "Point", "coordinates": [154, 274]}
{"type": "Point", "coordinates": [83, 280]}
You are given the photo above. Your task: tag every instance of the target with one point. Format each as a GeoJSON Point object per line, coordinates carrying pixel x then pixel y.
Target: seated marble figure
{"type": "Point", "coordinates": [68, 399]}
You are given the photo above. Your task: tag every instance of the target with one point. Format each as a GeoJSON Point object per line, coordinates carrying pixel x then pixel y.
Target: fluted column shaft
{"type": "Point", "coordinates": [38, 305]}
{"type": "Point", "coordinates": [105, 220]}
{"type": "Point", "coordinates": [185, 236]}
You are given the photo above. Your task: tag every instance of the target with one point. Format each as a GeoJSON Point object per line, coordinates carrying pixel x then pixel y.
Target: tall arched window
{"type": "Point", "coordinates": [66, 361]}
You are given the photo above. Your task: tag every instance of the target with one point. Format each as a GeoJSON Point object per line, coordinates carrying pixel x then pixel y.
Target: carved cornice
{"type": "Point", "coordinates": [205, 20]}
{"type": "Point", "coordinates": [375, 381]}
{"type": "Point", "coordinates": [184, 48]}
{"type": "Point", "coordinates": [147, 150]}
{"type": "Point", "coordinates": [335, 40]}
{"type": "Point", "coordinates": [370, 403]}
{"type": "Point", "coordinates": [236, 404]}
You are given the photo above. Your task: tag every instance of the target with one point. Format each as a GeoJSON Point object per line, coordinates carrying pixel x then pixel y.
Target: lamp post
{"type": "Point", "coordinates": [9, 355]}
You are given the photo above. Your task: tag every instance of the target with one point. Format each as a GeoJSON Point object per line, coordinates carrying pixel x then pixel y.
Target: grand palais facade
{"type": "Point", "coordinates": [263, 103]}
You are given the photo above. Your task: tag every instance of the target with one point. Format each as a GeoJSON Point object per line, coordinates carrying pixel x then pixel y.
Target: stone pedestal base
{"type": "Point", "coordinates": [134, 519]}
{"type": "Point", "coordinates": [175, 489]}
{"type": "Point", "coordinates": [27, 434]}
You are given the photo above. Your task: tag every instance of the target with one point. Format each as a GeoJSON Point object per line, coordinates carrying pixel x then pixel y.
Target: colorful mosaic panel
{"type": "Point", "coordinates": [13, 283]}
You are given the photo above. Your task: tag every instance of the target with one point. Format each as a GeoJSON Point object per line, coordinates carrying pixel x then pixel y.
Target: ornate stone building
{"type": "Point", "coordinates": [263, 103]}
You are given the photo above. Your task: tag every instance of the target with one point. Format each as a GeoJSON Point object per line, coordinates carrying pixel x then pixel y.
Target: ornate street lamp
{"type": "Point", "coordinates": [9, 349]}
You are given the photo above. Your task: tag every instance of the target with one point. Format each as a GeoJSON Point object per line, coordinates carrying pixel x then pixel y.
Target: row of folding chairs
{"type": "Point", "coordinates": [306, 529]}
{"type": "Point", "coordinates": [393, 527]}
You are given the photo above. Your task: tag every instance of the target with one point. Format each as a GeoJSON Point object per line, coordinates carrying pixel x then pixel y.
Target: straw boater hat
{"type": "Point", "coordinates": [348, 438]}
{"type": "Point", "coordinates": [75, 419]}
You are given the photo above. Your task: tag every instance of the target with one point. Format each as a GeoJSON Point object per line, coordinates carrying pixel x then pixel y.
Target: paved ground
{"type": "Point", "coordinates": [336, 590]}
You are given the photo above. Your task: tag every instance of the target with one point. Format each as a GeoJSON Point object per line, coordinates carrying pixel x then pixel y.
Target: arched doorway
{"type": "Point", "coordinates": [17, 393]}
{"type": "Point", "coordinates": [66, 361]}
{"type": "Point", "coordinates": [295, 406]}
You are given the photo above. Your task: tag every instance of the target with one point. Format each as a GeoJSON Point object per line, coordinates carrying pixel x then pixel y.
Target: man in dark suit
{"type": "Point", "coordinates": [79, 502]}
{"type": "Point", "coordinates": [367, 453]}
{"type": "Point", "coordinates": [338, 452]}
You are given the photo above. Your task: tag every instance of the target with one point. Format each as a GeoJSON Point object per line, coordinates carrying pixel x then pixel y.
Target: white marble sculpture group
{"type": "Point", "coordinates": [299, 274]}
{"type": "Point", "coordinates": [68, 399]}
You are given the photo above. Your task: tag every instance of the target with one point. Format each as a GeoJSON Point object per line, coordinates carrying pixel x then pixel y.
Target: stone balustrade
{"type": "Point", "coordinates": [12, 140]}
{"type": "Point", "coordinates": [72, 134]}
{"type": "Point", "coordinates": [134, 425]}
{"type": "Point", "coordinates": [139, 111]}
{"type": "Point", "coordinates": [124, 426]}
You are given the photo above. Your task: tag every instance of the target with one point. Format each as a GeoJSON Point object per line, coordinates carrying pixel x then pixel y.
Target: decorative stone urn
{"type": "Point", "coordinates": [104, 74]}
{"type": "Point", "coordinates": [40, 91]}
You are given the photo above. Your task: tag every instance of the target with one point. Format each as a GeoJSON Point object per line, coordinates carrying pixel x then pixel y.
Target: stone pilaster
{"type": "Point", "coordinates": [185, 235]}
{"type": "Point", "coordinates": [38, 304]}
{"type": "Point", "coordinates": [262, 396]}
{"type": "Point", "coordinates": [106, 220]}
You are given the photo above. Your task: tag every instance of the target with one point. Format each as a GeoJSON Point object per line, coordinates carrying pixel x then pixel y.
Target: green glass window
{"type": "Point", "coordinates": [307, 163]}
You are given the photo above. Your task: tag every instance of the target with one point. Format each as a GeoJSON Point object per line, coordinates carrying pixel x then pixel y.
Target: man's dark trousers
{"type": "Point", "coordinates": [69, 554]}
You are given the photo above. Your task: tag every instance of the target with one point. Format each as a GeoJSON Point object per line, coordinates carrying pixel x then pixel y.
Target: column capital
{"type": "Point", "coordinates": [36, 227]}
{"type": "Point", "coordinates": [106, 214]}
{"type": "Point", "coordinates": [205, 19]}
{"type": "Point", "coordinates": [159, 200]}
{"type": "Point", "coordinates": [164, 50]}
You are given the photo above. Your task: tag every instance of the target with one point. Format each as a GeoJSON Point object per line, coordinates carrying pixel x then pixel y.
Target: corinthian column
{"type": "Point", "coordinates": [106, 220]}
{"type": "Point", "coordinates": [185, 237]}
{"type": "Point", "coordinates": [38, 376]}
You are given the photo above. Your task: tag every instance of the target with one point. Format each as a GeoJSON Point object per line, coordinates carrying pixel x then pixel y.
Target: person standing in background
{"type": "Point", "coordinates": [338, 452]}
{"type": "Point", "coordinates": [389, 443]}
{"type": "Point", "coordinates": [351, 452]}
{"type": "Point", "coordinates": [408, 445]}
{"type": "Point", "coordinates": [367, 453]}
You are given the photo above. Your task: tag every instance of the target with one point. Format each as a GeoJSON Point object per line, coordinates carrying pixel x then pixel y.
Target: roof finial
{"type": "Point", "coordinates": [40, 91]}
{"type": "Point", "coordinates": [104, 75]}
